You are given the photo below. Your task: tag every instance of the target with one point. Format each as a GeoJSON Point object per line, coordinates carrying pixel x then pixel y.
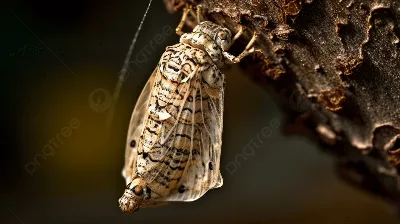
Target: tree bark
{"type": "Point", "coordinates": [335, 66]}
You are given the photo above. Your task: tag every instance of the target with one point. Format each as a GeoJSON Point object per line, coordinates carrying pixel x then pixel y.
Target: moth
{"type": "Point", "coordinates": [174, 139]}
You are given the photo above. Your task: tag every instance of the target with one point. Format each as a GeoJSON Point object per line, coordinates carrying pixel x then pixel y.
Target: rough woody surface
{"type": "Point", "coordinates": [335, 66]}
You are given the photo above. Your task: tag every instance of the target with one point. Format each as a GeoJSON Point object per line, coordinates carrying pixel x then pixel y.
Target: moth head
{"type": "Point", "coordinates": [221, 35]}
{"type": "Point", "coordinates": [135, 194]}
{"type": "Point", "coordinates": [223, 38]}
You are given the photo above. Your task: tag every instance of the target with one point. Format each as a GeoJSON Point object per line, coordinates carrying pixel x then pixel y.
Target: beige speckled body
{"type": "Point", "coordinates": [174, 141]}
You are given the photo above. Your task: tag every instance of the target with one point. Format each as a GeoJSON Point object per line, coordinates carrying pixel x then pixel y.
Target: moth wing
{"type": "Point", "coordinates": [136, 126]}
{"type": "Point", "coordinates": [202, 171]}
{"type": "Point", "coordinates": [163, 160]}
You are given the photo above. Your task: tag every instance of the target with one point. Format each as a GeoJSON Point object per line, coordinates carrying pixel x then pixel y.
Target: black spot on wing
{"type": "Point", "coordinates": [133, 143]}
{"type": "Point", "coordinates": [182, 189]}
{"type": "Point", "coordinates": [210, 166]}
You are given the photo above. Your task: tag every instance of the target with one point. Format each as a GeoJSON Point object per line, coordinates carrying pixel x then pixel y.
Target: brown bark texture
{"type": "Point", "coordinates": [335, 67]}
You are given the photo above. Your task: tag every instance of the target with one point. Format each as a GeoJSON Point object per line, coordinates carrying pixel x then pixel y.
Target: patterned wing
{"type": "Point", "coordinates": [164, 148]}
{"type": "Point", "coordinates": [202, 171]}
{"type": "Point", "coordinates": [179, 152]}
{"type": "Point", "coordinates": [136, 128]}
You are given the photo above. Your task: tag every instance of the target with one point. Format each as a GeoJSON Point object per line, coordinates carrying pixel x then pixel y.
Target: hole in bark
{"type": "Point", "coordinates": [395, 149]}
{"type": "Point", "coordinates": [397, 144]}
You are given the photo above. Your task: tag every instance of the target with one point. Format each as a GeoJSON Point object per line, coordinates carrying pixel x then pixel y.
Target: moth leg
{"type": "Point", "coordinates": [178, 29]}
{"type": "Point", "coordinates": [197, 14]}
{"type": "Point", "coordinates": [237, 35]}
{"type": "Point", "coordinates": [248, 50]}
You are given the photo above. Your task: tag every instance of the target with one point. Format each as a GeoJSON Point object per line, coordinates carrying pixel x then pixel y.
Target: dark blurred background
{"type": "Point", "coordinates": [60, 62]}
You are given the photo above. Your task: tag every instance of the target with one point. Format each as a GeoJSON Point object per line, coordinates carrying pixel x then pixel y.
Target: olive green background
{"type": "Point", "coordinates": [59, 62]}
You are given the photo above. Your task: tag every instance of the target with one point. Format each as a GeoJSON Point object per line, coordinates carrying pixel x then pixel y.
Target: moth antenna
{"type": "Point", "coordinates": [122, 75]}
{"type": "Point", "coordinates": [198, 14]}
